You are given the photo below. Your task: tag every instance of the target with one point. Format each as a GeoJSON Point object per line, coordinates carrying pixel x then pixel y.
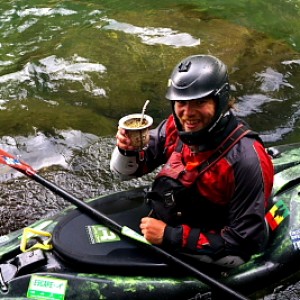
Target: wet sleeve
{"type": "Point", "coordinates": [246, 229]}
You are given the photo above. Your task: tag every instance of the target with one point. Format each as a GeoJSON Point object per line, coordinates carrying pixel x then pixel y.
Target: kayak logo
{"type": "Point", "coordinates": [47, 288]}
{"type": "Point", "coordinates": [100, 234]}
{"type": "Point", "coordinates": [277, 214]}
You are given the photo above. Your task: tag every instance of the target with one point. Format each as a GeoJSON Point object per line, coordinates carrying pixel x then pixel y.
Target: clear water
{"type": "Point", "coordinates": [69, 70]}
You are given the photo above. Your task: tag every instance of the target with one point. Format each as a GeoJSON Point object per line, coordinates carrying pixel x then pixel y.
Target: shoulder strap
{"type": "Point", "coordinates": [238, 133]}
{"type": "Point", "coordinates": [179, 145]}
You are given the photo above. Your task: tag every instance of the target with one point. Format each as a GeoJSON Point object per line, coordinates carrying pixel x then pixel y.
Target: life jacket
{"type": "Point", "coordinates": [174, 196]}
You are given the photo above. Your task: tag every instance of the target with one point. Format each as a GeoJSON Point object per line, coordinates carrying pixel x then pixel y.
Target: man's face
{"type": "Point", "coordinates": [195, 114]}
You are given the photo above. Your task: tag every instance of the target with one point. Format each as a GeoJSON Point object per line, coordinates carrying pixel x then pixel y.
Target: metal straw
{"type": "Point", "coordinates": [143, 112]}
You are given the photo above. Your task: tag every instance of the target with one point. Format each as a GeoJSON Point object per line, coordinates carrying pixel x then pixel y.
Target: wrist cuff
{"type": "Point", "coordinates": [173, 236]}
{"type": "Point", "coordinates": [127, 153]}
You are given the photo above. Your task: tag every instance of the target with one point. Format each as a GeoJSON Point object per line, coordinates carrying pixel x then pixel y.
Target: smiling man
{"type": "Point", "coordinates": [208, 200]}
{"type": "Point", "coordinates": [195, 115]}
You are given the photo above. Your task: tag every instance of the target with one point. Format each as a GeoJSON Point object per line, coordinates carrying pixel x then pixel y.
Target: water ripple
{"type": "Point", "coordinates": [46, 11]}
{"type": "Point", "coordinates": [41, 151]}
{"type": "Point", "coordinates": [50, 72]}
{"type": "Point", "coordinates": [272, 80]}
{"type": "Point", "coordinates": [250, 104]}
{"type": "Point", "coordinates": [152, 35]}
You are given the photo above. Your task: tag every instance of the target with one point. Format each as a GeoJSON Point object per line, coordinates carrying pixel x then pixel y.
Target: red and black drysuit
{"type": "Point", "coordinates": [219, 212]}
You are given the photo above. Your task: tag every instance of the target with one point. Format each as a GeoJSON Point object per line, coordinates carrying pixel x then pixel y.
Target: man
{"type": "Point", "coordinates": [210, 196]}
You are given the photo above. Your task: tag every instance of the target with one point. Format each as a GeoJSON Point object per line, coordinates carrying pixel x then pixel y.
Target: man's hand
{"type": "Point", "coordinates": [153, 230]}
{"type": "Point", "coordinates": [123, 141]}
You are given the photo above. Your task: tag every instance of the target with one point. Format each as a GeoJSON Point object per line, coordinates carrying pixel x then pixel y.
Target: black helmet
{"type": "Point", "coordinates": [197, 77]}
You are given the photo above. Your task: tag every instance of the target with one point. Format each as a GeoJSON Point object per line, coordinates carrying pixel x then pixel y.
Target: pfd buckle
{"type": "Point", "coordinates": [169, 199]}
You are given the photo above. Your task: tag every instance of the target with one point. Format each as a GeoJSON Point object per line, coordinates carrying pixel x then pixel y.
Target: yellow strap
{"type": "Point", "coordinates": [30, 232]}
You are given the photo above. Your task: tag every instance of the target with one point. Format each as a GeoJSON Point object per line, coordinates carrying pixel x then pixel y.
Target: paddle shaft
{"type": "Point", "coordinates": [83, 206]}
{"type": "Point", "coordinates": [98, 216]}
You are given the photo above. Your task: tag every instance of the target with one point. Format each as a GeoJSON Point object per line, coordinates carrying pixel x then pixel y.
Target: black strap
{"type": "Point", "coordinates": [216, 242]}
{"type": "Point", "coordinates": [179, 145]}
{"type": "Point", "coordinates": [237, 134]}
{"type": "Point", "coordinates": [226, 145]}
{"type": "Point", "coordinates": [193, 238]}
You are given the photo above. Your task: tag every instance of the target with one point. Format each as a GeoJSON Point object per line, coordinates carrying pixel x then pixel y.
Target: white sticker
{"type": "Point", "coordinates": [48, 288]}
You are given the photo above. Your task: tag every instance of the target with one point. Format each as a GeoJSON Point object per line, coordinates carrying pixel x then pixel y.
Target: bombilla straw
{"type": "Point", "coordinates": [143, 111]}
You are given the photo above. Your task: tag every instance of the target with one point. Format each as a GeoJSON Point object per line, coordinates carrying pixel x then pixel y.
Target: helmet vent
{"type": "Point", "coordinates": [184, 66]}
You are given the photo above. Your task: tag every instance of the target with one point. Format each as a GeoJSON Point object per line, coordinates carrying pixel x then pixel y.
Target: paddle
{"type": "Point", "coordinates": [13, 162]}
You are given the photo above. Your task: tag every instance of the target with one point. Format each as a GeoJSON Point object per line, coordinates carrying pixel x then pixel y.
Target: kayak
{"type": "Point", "coordinates": [73, 256]}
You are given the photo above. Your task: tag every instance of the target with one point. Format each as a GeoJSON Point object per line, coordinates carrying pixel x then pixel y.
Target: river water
{"type": "Point", "coordinates": [70, 69]}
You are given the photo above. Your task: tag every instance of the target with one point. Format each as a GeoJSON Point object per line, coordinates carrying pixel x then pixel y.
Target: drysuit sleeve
{"type": "Point", "coordinates": [192, 240]}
